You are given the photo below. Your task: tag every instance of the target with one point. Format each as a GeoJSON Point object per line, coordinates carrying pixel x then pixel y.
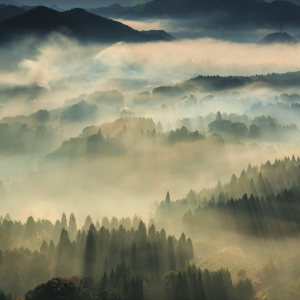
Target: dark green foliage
{"type": "Point", "coordinates": [30, 229]}
{"type": "Point", "coordinates": [168, 199]}
{"type": "Point", "coordinates": [91, 253]}
{"type": "Point", "coordinates": [182, 134]}
{"type": "Point", "coordinates": [262, 183]}
{"type": "Point", "coordinates": [78, 112]}
{"type": "Point", "coordinates": [63, 221]}
{"type": "Point", "coordinates": [42, 116]}
{"type": "Point", "coordinates": [64, 253]}
{"type": "Point", "coordinates": [88, 146]}
{"type": "Point", "coordinates": [244, 289]}
{"type": "Point", "coordinates": [235, 126]}
{"type": "Point", "coordinates": [112, 294]}
{"type": "Point", "coordinates": [171, 254]}
{"type": "Point", "coordinates": [219, 117]}
{"type": "Point", "coordinates": [197, 284]}
{"type": "Point", "coordinates": [57, 288]}
{"type": "Point", "coordinates": [72, 229]}
{"type": "Point", "coordinates": [66, 288]}
{"type": "Point", "coordinates": [225, 127]}
{"type": "Point", "coordinates": [270, 217]}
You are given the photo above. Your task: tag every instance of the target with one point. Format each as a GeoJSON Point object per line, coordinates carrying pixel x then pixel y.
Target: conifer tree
{"type": "Point", "coordinates": [168, 199]}
{"type": "Point", "coordinates": [63, 254]}
{"type": "Point", "coordinates": [30, 233]}
{"type": "Point", "coordinates": [90, 255]}
{"type": "Point", "coordinates": [63, 221]}
{"type": "Point", "coordinates": [171, 255]}
{"type": "Point", "coordinates": [72, 227]}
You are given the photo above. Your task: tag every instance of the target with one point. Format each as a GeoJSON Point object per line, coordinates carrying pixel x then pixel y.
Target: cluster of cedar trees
{"type": "Point", "coordinates": [97, 144]}
{"type": "Point", "coordinates": [262, 203]}
{"type": "Point", "coordinates": [260, 182]}
{"type": "Point", "coordinates": [115, 264]}
{"type": "Point", "coordinates": [142, 252]}
{"type": "Point", "coordinates": [268, 218]}
{"type": "Point", "coordinates": [32, 233]}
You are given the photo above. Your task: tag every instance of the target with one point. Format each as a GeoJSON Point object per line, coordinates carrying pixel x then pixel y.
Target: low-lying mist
{"type": "Point", "coordinates": [63, 69]}
{"type": "Point", "coordinates": [115, 173]}
{"type": "Point", "coordinates": [49, 73]}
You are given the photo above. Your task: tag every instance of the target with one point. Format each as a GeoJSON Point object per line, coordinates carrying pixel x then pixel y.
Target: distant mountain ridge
{"type": "Point", "coordinates": [76, 23]}
{"type": "Point", "coordinates": [83, 28]}
{"type": "Point", "coordinates": [278, 38]}
{"type": "Point", "coordinates": [9, 11]}
{"type": "Point", "coordinates": [226, 13]}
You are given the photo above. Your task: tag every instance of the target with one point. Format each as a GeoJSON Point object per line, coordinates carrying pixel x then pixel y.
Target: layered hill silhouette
{"type": "Point", "coordinates": [278, 38]}
{"type": "Point", "coordinates": [111, 11]}
{"type": "Point", "coordinates": [10, 11]}
{"type": "Point", "coordinates": [76, 23]}
{"type": "Point", "coordinates": [228, 13]}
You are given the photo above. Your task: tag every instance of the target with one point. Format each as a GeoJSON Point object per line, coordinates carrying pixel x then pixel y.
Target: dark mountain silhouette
{"type": "Point", "coordinates": [278, 37]}
{"type": "Point", "coordinates": [162, 33]}
{"type": "Point", "coordinates": [76, 23]}
{"type": "Point", "coordinates": [9, 11]}
{"type": "Point", "coordinates": [111, 11]}
{"type": "Point", "coordinates": [216, 13]}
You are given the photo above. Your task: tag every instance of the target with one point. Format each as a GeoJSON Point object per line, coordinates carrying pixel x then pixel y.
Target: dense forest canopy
{"type": "Point", "coordinates": [130, 263]}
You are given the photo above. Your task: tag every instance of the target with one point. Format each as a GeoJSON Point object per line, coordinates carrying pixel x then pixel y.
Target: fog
{"type": "Point", "coordinates": [61, 69]}
{"type": "Point", "coordinates": [199, 136]}
{"type": "Point", "coordinates": [66, 69]}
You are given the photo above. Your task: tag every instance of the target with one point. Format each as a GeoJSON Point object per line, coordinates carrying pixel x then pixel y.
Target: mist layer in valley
{"type": "Point", "coordinates": [61, 100]}
{"type": "Point", "coordinates": [139, 155]}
